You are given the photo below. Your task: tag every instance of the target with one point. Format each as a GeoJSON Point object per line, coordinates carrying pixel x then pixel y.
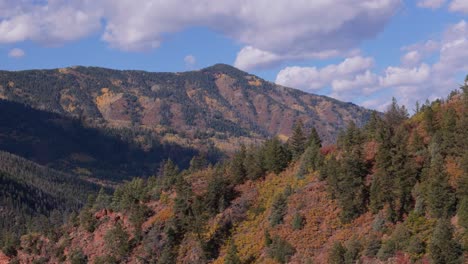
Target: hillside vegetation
{"type": "Point", "coordinates": [36, 198]}
{"type": "Point", "coordinates": [393, 191]}
{"type": "Point", "coordinates": [216, 106]}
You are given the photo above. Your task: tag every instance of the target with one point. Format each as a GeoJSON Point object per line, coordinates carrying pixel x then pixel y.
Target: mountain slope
{"type": "Point", "coordinates": [219, 103]}
{"type": "Point", "coordinates": [394, 191]}
{"type": "Point", "coordinates": [29, 193]}
{"type": "Point", "coordinates": [66, 144]}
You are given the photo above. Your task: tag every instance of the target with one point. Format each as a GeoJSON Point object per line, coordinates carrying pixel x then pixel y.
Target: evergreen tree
{"type": "Point", "coordinates": [169, 173]}
{"type": "Point", "coordinates": [395, 114]}
{"type": "Point", "coordinates": [117, 241]}
{"type": "Point", "coordinates": [314, 139]}
{"type": "Point", "coordinates": [337, 254]}
{"type": "Point", "coordinates": [350, 191]}
{"type": "Point", "coordinates": [353, 250]}
{"type": "Point", "coordinates": [278, 209]}
{"type": "Point", "coordinates": [448, 131]}
{"type": "Point", "coordinates": [297, 221]}
{"type": "Point", "coordinates": [254, 165]}
{"type": "Point", "coordinates": [232, 256]}
{"type": "Point", "coordinates": [439, 195]}
{"type": "Point", "coordinates": [443, 248]}
{"type": "Point", "coordinates": [237, 166]}
{"type": "Point", "coordinates": [103, 200]}
{"type": "Point", "coordinates": [219, 193]}
{"type": "Point", "coordinates": [280, 250]}
{"type": "Point", "coordinates": [297, 142]}
{"type": "Point", "coordinates": [276, 156]}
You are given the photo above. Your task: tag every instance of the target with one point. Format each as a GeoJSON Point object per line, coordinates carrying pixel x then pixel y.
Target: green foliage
{"type": "Point", "coordinates": [398, 241]}
{"type": "Point", "coordinates": [314, 139]}
{"type": "Point", "coordinates": [439, 195]}
{"type": "Point", "coordinates": [297, 221]}
{"type": "Point", "coordinates": [463, 212]}
{"type": "Point", "coordinates": [353, 250]}
{"type": "Point", "coordinates": [78, 257]}
{"type": "Point", "coordinates": [87, 220]}
{"type": "Point", "coordinates": [276, 157]}
{"type": "Point", "coordinates": [443, 248]}
{"type": "Point", "coordinates": [337, 254]}
{"type": "Point", "coordinates": [267, 238]}
{"type": "Point", "coordinates": [416, 248]}
{"type": "Point", "coordinates": [280, 250]}
{"type": "Point", "coordinates": [232, 256]}
{"type": "Point", "coordinates": [219, 193]}
{"type": "Point", "coordinates": [297, 141]}
{"type": "Point", "coordinates": [278, 209]}
{"type": "Point", "coordinates": [237, 166]}
{"type": "Point", "coordinates": [117, 241]}
{"type": "Point", "coordinates": [373, 246]}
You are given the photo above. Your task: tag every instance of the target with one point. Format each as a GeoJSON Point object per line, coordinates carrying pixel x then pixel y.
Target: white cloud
{"type": "Point", "coordinates": [190, 61]}
{"type": "Point", "coordinates": [312, 78]}
{"type": "Point", "coordinates": [431, 3]}
{"type": "Point", "coordinates": [459, 6]}
{"type": "Point", "coordinates": [51, 24]}
{"type": "Point", "coordinates": [16, 53]}
{"type": "Point", "coordinates": [413, 80]}
{"type": "Point", "coordinates": [411, 58]}
{"type": "Point", "coordinates": [250, 57]}
{"type": "Point", "coordinates": [399, 76]}
{"type": "Point", "coordinates": [270, 30]}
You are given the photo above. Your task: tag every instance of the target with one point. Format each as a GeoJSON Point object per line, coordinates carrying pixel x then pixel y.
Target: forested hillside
{"type": "Point", "coordinates": [35, 198]}
{"type": "Point", "coordinates": [67, 144]}
{"type": "Point", "coordinates": [393, 191]}
{"type": "Point", "coordinates": [218, 105]}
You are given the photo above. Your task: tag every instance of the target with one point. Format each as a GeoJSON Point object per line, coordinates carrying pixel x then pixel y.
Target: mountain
{"type": "Point", "coordinates": [218, 105]}
{"type": "Point", "coordinates": [66, 144]}
{"type": "Point", "coordinates": [393, 191]}
{"type": "Point", "coordinates": [34, 197]}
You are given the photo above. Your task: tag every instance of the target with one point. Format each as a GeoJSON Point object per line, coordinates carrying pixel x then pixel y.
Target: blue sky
{"type": "Point", "coordinates": [363, 51]}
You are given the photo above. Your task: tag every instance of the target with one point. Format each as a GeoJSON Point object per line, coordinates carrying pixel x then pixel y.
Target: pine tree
{"type": "Point", "coordinates": [232, 256]}
{"type": "Point", "coordinates": [443, 248]}
{"type": "Point", "coordinates": [337, 254]}
{"type": "Point", "coordinates": [237, 167]}
{"type": "Point", "coordinates": [297, 142]}
{"type": "Point", "coordinates": [117, 241]}
{"type": "Point", "coordinates": [448, 132]}
{"type": "Point", "coordinates": [169, 173]}
{"type": "Point", "coordinates": [103, 200]}
{"type": "Point", "coordinates": [297, 221]}
{"type": "Point", "coordinates": [350, 185]}
{"type": "Point", "coordinates": [278, 209]}
{"type": "Point", "coordinates": [276, 156]}
{"type": "Point", "coordinates": [439, 195]}
{"type": "Point", "coordinates": [314, 138]}
{"type": "Point", "coordinates": [353, 249]}
{"type": "Point", "coordinates": [254, 165]}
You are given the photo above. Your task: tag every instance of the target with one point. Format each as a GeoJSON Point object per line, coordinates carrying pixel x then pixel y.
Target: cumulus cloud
{"type": "Point", "coordinates": [16, 53]}
{"type": "Point", "coordinates": [313, 78]}
{"type": "Point", "coordinates": [51, 24]}
{"type": "Point", "coordinates": [431, 3]}
{"type": "Point", "coordinates": [411, 58]}
{"type": "Point", "coordinates": [270, 30]}
{"type": "Point", "coordinates": [190, 61]}
{"type": "Point", "coordinates": [413, 80]}
{"type": "Point", "coordinates": [459, 6]}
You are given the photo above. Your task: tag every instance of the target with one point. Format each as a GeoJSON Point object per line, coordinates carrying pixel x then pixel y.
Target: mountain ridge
{"type": "Point", "coordinates": [213, 105]}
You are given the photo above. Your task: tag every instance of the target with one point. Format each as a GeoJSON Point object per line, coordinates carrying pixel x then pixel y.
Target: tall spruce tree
{"type": "Point", "coordinates": [443, 248]}
{"type": "Point", "coordinates": [439, 195]}
{"type": "Point", "coordinates": [297, 142]}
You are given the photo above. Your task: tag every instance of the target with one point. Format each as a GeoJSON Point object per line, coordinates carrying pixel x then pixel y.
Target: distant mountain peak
{"type": "Point", "coordinates": [226, 69]}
